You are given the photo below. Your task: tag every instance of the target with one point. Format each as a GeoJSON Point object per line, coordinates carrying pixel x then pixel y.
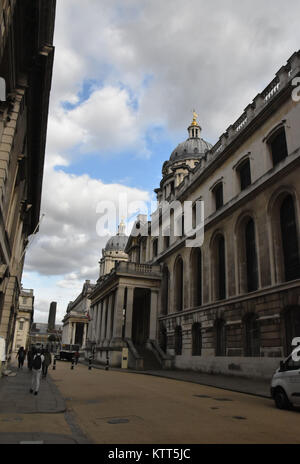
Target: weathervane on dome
{"type": "Point", "coordinates": [195, 116]}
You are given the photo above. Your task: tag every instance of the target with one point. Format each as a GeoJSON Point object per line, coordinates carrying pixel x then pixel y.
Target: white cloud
{"type": "Point", "coordinates": [151, 63]}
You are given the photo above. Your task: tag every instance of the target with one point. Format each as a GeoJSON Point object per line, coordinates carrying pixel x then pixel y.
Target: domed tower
{"type": "Point", "coordinates": [114, 251]}
{"type": "Point", "coordinates": [182, 160]}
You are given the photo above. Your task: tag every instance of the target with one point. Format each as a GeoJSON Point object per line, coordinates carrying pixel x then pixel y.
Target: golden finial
{"type": "Point", "coordinates": [195, 116]}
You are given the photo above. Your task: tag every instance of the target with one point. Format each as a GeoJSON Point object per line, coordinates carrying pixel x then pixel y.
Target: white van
{"type": "Point", "coordinates": [285, 384]}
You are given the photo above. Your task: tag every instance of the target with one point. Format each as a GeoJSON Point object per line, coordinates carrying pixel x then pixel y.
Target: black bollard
{"type": "Point", "coordinates": [107, 361]}
{"type": "Point", "coordinates": [54, 364]}
{"type": "Point", "coordinates": [72, 364]}
{"type": "Point", "coordinates": [90, 363]}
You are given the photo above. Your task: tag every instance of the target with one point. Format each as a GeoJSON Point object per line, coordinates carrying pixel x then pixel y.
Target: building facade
{"type": "Point", "coordinates": [26, 60]}
{"type": "Point", "coordinates": [24, 320]}
{"type": "Point", "coordinates": [232, 304]}
{"type": "Point", "coordinates": [75, 322]}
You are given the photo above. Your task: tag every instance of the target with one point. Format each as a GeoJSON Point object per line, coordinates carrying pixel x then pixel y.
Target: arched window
{"type": "Point", "coordinates": [178, 341]}
{"type": "Point", "coordinates": [220, 329]}
{"type": "Point", "coordinates": [165, 290]}
{"type": "Point", "coordinates": [221, 268]}
{"type": "Point", "coordinates": [196, 266]}
{"type": "Point", "coordinates": [251, 257]}
{"type": "Point", "coordinates": [196, 339]}
{"type": "Point", "coordinates": [289, 239]}
{"type": "Point", "coordinates": [292, 327]}
{"type": "Point", "coordinates": [252, 336]}
{"type": "Point", "coordinates": [179, 284]}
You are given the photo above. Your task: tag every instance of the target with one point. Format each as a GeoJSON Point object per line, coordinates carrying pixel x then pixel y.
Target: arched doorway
{"type": "Point", "coordinates": [289, 239]}
{"type": "Point", "coordinates": [165, 290]}
{"type": "Point", "coordinates": [196, 277]}
{"type": "Point", "coordinates": [251, 256]}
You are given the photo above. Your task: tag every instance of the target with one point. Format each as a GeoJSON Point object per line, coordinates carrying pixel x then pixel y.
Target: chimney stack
{"type": "Point", "coordinates": [52, 316]}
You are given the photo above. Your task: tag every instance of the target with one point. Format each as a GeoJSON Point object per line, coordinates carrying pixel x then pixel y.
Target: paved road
{"type": "Point", "coordinates": [119, 407]}
{"type": "Point", "coordinates": [38, 419]}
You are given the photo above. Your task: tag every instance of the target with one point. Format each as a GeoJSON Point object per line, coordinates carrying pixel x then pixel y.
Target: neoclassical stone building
{"type": "Point", "coordinates": [231, 305]}
{"type": "Point", "coordinates": [24, 319]}
{"type": "Point", "coordinates": [75, 322]}
{"type": "Point", "coordinates": [26, 61]}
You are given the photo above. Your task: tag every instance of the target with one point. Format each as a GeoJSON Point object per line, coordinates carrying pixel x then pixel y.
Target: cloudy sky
{"type": "Point", "coordinates": [127, 75]}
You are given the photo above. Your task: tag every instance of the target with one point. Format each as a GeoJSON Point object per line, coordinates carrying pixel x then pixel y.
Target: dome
{"type": "Point", "coordinates": [117, 242]}
{"type": "Point", "coordinates": [194, 146]}
{"type": "Point", "coordinates": [191, 148]}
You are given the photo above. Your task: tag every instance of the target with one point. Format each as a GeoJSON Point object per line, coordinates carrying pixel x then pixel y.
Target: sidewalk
{"type": "Point", "coordinates": [15, 396]}
{"type": "Point", "coordinates": [255, 387]}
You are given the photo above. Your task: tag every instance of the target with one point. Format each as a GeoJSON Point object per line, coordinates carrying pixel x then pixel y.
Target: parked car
{"type": "Point", "coordinates": [285, 384]}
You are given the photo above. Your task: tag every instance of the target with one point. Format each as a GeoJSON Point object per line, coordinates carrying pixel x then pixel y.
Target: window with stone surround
{"type": "Point", "coordinates": [196, 280]}
{"type": "Point", "coordinates": [251, 256]}
{"type": "Point", "coordinates": [278, 146]}
{"type": "Point", "coordinates": [218, 195]}
{"type": "Point", "coordinates": [290, 239]}
{"type": "Point", "coordinates": [244, 173]}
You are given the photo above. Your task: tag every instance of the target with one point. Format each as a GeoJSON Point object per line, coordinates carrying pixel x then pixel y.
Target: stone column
{"type": "Point", "coordinates": [153, 314]}
{"type": "Point", "coordinates": [96, 322]}
{"type": "Point", "coordinates": [73, 333]}
{"type": "Point", "coordinates": [101, 322]}
{"type": "Point", "coordinates": [129, 308]}
{"type": "Point", "coordinates": [84, 334]}
{"type": "Point", "coordinates": [108, 334]}
{"type": "Point", "coordinates": [118, 319]}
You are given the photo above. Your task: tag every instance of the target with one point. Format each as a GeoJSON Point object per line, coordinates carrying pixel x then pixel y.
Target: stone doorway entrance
{"type": "Point", "coordinates": [141, 316]}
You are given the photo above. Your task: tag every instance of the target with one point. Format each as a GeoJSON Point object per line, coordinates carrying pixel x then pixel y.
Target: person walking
{"type": "Point", "coordinates": [47, 362]}
{"type": "Point", "coordinates": [37, 363]}
{"type": "Point", "coordinates": [21, 356]}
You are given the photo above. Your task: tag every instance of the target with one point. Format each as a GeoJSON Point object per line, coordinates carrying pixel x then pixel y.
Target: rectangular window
{"type": "Point", "coordinates": [278, 147]}
{"type": "Point", "coordinates": [21, 324]}
{"type": "Point", "coordinates": [218, 193]}
{"type": "Point", "coordinates": [245, 175]}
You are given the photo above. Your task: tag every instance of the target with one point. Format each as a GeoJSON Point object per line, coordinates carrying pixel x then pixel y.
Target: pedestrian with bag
{"type": "Point", "coordinates": [37, 364]}
{"type": "Point", "coordinates": [47, 362]}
